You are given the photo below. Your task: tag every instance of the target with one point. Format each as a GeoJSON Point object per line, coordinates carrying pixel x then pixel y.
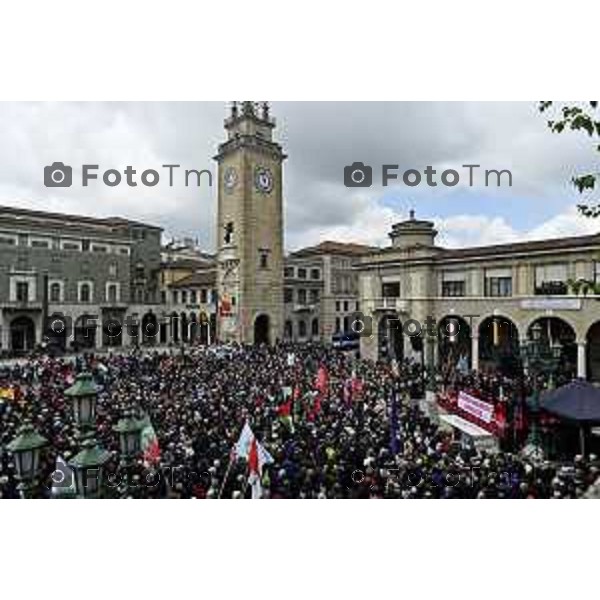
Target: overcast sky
{"type": "Point", "coordinates": [320, 138]}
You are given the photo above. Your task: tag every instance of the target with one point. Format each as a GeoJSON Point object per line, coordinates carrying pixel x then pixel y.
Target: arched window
{"type": "Point", "coordinates": [302, 329]}
{"type": "Point", "coordinates": [315, 327]}
{"type": "Point", "coordinates": [112, 292]}
{"type": "Point", "coordinates": [85, 293]}
{"type": "Point", "coordinates": [289, 330]}
{"type": "Point", "coordinates": [140, 272]}
{"type": "Point", "coordinates": [55, 292]}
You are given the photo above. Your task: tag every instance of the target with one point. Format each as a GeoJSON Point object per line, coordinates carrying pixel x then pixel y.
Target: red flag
{"type": "Point", "coordinates": [357, 386]}
{"type": "Point", "coordinates": [322, 379]}
{"type": "Point", "coordinates": [253, 458]}
{"type": "Point", "coordinates": [317, 404]}
{"type": "Point", "coordinates": [285, 409]}
{"type": "Point", "coordinates": [152, 454]}
{"type": "Point", "coordinates": [500, 417]}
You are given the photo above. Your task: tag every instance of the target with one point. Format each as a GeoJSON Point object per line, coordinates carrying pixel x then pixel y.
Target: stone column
{"type": "Point", "coordinates": [39, 326]}
{"type": "Point", "coordinates": [581, 359]}
{"type": "Point", "coordinates": [4, 332]}
{"type": "Point", "coordinates": [475, 352]}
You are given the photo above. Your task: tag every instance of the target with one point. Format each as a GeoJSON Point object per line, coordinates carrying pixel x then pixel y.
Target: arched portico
{"type": "Point", "coordinates": [498, 344]}
{"type": "Point", "coordinates": [262, 329]}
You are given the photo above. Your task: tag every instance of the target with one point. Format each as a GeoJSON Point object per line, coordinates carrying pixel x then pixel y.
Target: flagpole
{"type": "Point", "coordinates": [226, 477]}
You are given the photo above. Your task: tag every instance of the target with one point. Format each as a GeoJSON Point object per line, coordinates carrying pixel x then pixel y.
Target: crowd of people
{"type": "Point", "coordinates": [335, 427]}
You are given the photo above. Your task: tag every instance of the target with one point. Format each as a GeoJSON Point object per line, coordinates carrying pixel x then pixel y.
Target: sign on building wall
{"type": "Point", "coordinates": [551, 304]}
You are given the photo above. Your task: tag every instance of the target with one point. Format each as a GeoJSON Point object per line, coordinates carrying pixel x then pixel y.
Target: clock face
{"type": "Point", "coordinates": [263, 179]}
{"type": "Point", "coordinates": [230, 179]}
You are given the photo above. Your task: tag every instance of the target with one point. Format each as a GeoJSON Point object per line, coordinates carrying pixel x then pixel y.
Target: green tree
{"type": "Point", "coordinates": [583, 117]}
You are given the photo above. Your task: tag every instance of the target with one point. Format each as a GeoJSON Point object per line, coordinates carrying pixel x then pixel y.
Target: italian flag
{"type": "Point", "coordinates": [150, 447]}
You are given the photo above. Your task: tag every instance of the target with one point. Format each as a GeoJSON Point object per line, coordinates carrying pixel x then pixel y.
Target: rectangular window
{"type": "Point", "coordinates": [38, 243]}
{"type": "Point", "coordinates": [301, 273]}
{"type": "Point", "coordinates": [163, 297]}
{"type": "Point", "coordinates": [390, 290]}
{"type": "Point", "coordinates": [551, 280]}
{"type": "Point", "coordinates": [6, 240]}
{"type": "Point", "coordinates": [193, 297]}
{"type": "Point", "coordinates": [99, 248]}
{"type": "Point", "coordinates": [22, 289]}
{"type": "Point", "coordinates": [345, 305]}
{"type": "Point", "coordinates": [70, 245]}
{"type": "Point", "coordinates": [264, 260]}
{"type": "Point", "coordinates": [337, 306]}
{"type": "Point", "coordinates": [184, 297]}
{"type": "Point", "coordinates": [288, 272]}
{"type": "Point", "coordinates": [288, 295]}
{"type": "Point", "coordinates": [314, 296]}
{"type": "Point", "coordinates": [124, 251]}
{"type": "Point", "coordinates": [175, 296]}
{"type": "Point", "coordinates": [498, 287]}
{"type": "Point", "coordinates": [203, 296]}
{"type": "Point", "coordinates": [301, 296]}
{"type": "Point", "coordinates": [315, 274]}
{"type": "Point", "coordinates": [453, 289]}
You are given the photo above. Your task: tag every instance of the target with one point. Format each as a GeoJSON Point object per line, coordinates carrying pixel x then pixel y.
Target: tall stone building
{"type": "Point", "coordinates": [80, 271]}
{"type": "Point", "coordinates": [250, 227]}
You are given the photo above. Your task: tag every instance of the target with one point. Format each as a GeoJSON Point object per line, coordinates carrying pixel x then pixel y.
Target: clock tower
{"type": "Point", "coordinates": [250, 227]}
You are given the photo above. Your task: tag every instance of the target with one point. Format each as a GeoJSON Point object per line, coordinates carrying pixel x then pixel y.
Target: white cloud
{"type": "Point", "coordinates": [320, 139]}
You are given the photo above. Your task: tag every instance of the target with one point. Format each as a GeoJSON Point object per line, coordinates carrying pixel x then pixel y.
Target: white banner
{"type": "Point", "coordinates": [476, 407]}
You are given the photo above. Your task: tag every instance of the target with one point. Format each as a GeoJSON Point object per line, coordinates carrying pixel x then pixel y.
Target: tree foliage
{"type": "Point", "coordinates": [583, 117]}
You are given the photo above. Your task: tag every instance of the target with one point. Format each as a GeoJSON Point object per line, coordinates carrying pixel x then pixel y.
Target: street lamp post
{"type": "Point", "coordinates": [431, 365]}
{"type": "Point", "coordinates": [88, 466]}
{"type": "Point", "coordinates": [130, 441]}
{"type": "Point", "coordinates": [26, 449]}
{"type": "Point", "coordinates": [540, 357]}
{"type": "Point", "coordinates": [129, 430]}
{"type": "Point", "coordinates": [84, 396]}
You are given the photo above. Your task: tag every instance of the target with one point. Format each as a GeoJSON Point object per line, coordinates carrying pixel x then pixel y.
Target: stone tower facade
{"type": "Point", "coordinates": [250, 227]}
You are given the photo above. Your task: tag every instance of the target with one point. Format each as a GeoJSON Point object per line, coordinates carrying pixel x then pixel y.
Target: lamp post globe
{"type": "Point", "coordinates": [84, 396]}
{"type": "Point", "coordinates": [536, 332]}
{"type": "Point", "coordinates": [129, 430]}
{"type": "Point", "coordinates": [26, 449]}
{"type": "Point", "coordinates": [88, 466]}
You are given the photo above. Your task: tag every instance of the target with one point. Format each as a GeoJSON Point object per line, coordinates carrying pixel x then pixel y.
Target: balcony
{"type": "Point", "coordinates": [304, 308]}
{"type": "Point", "coordinates": [552, 288]}
{"type": "Point", "coordinates": [21, 305]}
{"type": "Point", "coordinates": [390, 304]}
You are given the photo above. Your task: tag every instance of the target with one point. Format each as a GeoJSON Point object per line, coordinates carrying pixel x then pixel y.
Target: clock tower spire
{"type": "Point", "coordinates": [250, 227]}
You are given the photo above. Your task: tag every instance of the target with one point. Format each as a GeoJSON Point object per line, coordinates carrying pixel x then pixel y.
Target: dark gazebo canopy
{"type": "Point", "coordinates": [578, 401]}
